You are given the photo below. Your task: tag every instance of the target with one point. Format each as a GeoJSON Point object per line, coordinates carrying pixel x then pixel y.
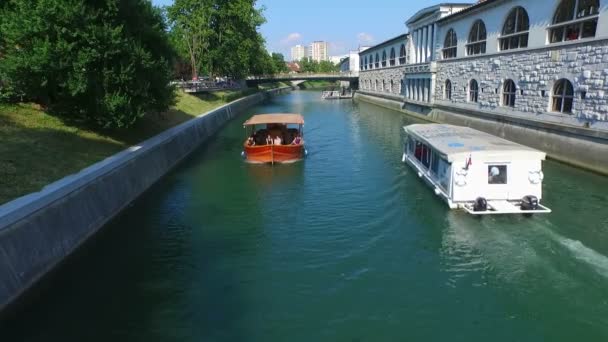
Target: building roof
{"type": "Point", "coordinates": [293, 66]}
{"type": "Point", "coordinates": [429, 10]}
{"type": "Point", "coordinates": [458, 142]}
{"type": "Point", "coordinates": [386, 42]}
{"type": "Point", "coordinates": [275, 118]}
{"type": "Point", "coordinates": [468, 10]}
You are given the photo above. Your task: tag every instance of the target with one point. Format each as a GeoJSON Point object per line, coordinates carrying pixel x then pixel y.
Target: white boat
{"type": "Point", "coordinates": [475, 171]}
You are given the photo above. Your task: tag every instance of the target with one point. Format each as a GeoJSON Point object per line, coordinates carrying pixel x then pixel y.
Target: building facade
{"type": "Point", "coordinates": [318, 51]}
{"type": "Point", "coordinates": [532, 71]}
{"type": "Point", "coordinates": [382, 67]}
{"type": "Point", "coordinates": [543, 59]}
{"type": "Point", "coordinates": [298, 53]}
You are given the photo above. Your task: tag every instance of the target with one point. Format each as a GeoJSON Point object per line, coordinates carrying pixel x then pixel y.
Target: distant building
{"type": "Point", "coordinates": [294, 67]}
{"type": "Point", "coordinates": [318, 51]}
{"type": "Point", "coordinates": [337, 59]}
{"type": "Point", "coordinates": [298, 52]}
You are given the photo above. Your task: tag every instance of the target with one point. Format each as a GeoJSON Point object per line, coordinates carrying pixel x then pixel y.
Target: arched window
{"type": "Point", "coordinates": [377, 60]}
{"type": "Point", "coordinates": [473, 91]}
{"type": "Point", "coordinates": [563, 96]}
{"type": "Point", "coordinates": [376, 86]}
{"type": "Point", "coordinates": [392, 57]}
{"type": "Point", "coordinates": [515, 30]}
{"type": "Point", "coordinates": [384, 58]}
{"type": "Point", "coordinates": [508, 93]}
{"type": "Point", "coordinates": [447, 94]}
{"type": "Point", "coordinates": [449, 45]}
{"type": "Point", "coordinates": [390, 87]}
{"type": "Point", "coordinates": [371, 62]}
{"type": "Point", "coordinates": [364, 64]}
{"type": "Point", "coordinates": [477, 39]}
{"type": "Point", "coordinates": [402, 54]}
{"type": "Point", "coordinates": [574, 19]}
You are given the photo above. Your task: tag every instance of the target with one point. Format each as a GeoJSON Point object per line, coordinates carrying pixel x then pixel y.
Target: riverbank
{"type": "Point", "coordinates": [317, 85]}
{"type": "Point", "coordinates": [40, 230]}
{"type": "Point", "coordinates": [577, 146]}
{"type": "Point", "coordinates": [50, 149]}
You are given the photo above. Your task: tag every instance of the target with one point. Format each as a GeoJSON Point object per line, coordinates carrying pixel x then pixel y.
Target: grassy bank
{"type": "Point", "coordinates": [310, 85]}
{"type": "Point", "coordinates": [38, 149]}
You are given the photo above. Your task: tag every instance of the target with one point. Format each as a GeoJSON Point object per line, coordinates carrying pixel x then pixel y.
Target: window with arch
{"type": "Point", "coordinates": [473, 91]}
{"type": "Point", "coordinates": [376, 85]}
{"type": "Point", "coordinates": [515, 30]}
{"type": "Point", "coordinates": [371, 61]}
{"type": "Point", "coordinates": [390, 87]}
{"type": "Point", "coordinates": [402, 54]}
{"type": "Point", "coordinates": [563, 96]}
{"type": "Point", "coordinates": [508, 93]}
{"type": "Point", "coordinates": [364, 65]}
{"type": "Point", "coordinates": [391, 59]}
{"type": "Point", "coordinates": [377, 60]}
{"type": "Point", "coordinates": [574, 19]}
{"type": "Point", "coordinates": [477, 39]}
{"type": "Point", "coordinates": [447, 92]}
{"type": "Point", "coordinates": [384, 58]}
{"type": "Point", "coordinates": [449, 45]}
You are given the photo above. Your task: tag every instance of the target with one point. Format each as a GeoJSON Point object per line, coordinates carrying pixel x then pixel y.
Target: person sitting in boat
{"type": "Point", "coordinates": [277, 140]}
{"type": "Point", "coordinates": [251, 140]}
{"type": "Point", "coordinates": [297, 140]}
{"type": "Point", "coordinates": [268, 140]}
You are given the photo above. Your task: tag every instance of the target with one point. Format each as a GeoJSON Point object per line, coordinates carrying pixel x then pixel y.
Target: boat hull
{"type": "Point", "coordinates": [274, 153]}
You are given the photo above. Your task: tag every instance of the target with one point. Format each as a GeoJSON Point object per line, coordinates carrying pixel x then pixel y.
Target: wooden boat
{"type": "Point", "coordinates": [475, 171]}
{"type": "Point", "coordinates": [274, 138]}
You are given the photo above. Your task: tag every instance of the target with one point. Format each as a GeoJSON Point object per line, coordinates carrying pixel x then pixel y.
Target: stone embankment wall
{"type": "Point", "coordinates": [582, 147]}
{"type": "Point", "coordinates": [40, 230]}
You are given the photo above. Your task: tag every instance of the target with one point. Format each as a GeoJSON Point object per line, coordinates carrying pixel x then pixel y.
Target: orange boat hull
{"type": "Point", "coordinates": [274, 153]}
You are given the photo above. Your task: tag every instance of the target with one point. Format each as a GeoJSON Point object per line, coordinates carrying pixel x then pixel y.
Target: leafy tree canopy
{"type": "Point", "coordinates": [101, 62]}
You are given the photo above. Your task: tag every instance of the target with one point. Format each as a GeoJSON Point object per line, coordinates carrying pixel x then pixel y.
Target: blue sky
{"type": "Point", "coordinates": [345, 24]}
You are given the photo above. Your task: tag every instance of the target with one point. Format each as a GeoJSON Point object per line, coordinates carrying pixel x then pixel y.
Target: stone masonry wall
{"type": "Point", "coordinates": [384, 76]}
{"type": "Point", "coordinates": [585, 65]}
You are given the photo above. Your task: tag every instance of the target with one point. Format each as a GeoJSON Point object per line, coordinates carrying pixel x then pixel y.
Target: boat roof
{"type": "Point", "coordinates": [458, 141]}
{"type": "Point", "coordinates": [275, 118]}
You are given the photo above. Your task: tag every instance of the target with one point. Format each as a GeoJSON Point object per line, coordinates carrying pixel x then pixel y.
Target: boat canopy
{"type": "Point", "coordinates": [279, 118]}
{"type": "Point", "coordinates": [458, 142]}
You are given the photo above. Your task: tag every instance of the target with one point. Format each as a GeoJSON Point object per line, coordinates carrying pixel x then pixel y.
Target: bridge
{"type": "Point", "coordinates": [338, 76]}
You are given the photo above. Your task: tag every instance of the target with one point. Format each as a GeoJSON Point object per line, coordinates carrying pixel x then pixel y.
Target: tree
{"type": "Point", "coordinates": [191, 31]}
{"type": "Point", "coordinates": [101, 62]}
{"type": "Point", "coordinates": [220, 36]}
{"type": "Point", "coordinates": [279, 63]}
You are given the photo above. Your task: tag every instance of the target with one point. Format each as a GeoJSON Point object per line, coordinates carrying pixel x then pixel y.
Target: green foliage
{"type": "Point", "coordinates": [307, 65]}
{"type": "Point", "coordinates": [279, 63]}
{"type": "Point", "coordinates": [219, 36]}
{"type": "Point", "coordinates": [105, 63]}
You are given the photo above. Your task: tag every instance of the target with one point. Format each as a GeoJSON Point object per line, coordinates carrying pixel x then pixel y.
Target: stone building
{"type": "Point", "coordinates": [540, 65]}
{"type": "Point", "coordinates": [382, 66]}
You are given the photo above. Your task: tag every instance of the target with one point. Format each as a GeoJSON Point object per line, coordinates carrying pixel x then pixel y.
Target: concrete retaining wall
{"type": "Point", "coordinates": [40, 230]}
{"type": "Point", "coordinates": [581, 147]}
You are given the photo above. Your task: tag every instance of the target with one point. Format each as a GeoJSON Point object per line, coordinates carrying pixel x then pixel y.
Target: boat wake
{"type": "Point", "coordinates": [596, 260]}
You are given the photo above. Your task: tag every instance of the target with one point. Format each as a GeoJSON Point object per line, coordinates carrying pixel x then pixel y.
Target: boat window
{"type": "Point", "coordinates": [410, 145]}
{"type": "Point", "coordinates": [434, 163]}
{"type": "Point", "coordinates": [444, 173]}
{"type": "Point", "coordinates": [497, 174]}
{"type": "Point", "coordinates": [423, 154]}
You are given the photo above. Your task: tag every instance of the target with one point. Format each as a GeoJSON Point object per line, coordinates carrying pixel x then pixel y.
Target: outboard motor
{"type": "Point", "coordinates": [480, 204]}
{"type": "Point", "coordinates": [529, 203]}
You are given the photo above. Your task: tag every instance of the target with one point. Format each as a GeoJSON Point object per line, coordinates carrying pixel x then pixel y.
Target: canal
{"type": "Point", "coordinates": [348, 245]}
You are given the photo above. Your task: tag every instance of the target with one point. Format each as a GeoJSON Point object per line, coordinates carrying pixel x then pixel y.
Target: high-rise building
{"type": "Point", "coordinates": [318, 51]}
{"type": "Point", "coordinates": [298, 52]}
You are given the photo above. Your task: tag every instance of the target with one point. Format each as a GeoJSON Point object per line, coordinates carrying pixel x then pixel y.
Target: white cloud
{"type": "Point", "coordinates": [291, 38]}
{"type": "Point", "coordinates": [365, 38]}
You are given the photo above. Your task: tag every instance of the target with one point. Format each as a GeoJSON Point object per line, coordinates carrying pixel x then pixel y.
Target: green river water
{"type": "Point", "coordinates": [347, 245]}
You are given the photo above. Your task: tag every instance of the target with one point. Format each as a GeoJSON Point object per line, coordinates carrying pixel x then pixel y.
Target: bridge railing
{"type": "Point", "coordinates": [305, 75]}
